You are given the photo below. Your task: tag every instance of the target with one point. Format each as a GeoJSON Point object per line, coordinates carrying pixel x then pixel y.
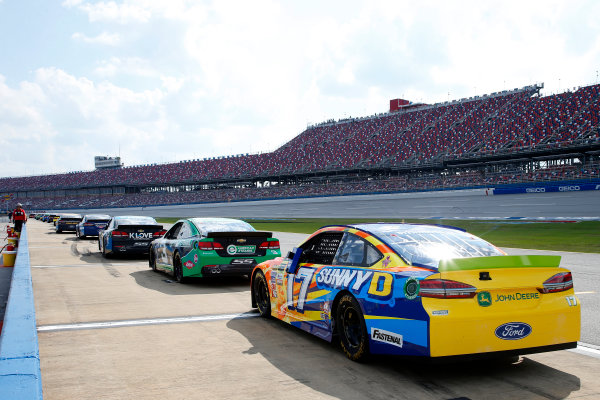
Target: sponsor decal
{"type": "Point", "coordinates": [517, 296]}
{"type": "Point", "coordinates": [535, 190]}
{"type": "Point", "coordinates": [484, 299]}
{"type": "Point", "coordinates": [242, 261]}
{"type": "Point", "coordinates": [325, 310]}
{"type": "Point", "coordinates": [392, 338]}
{"type": "Point", "coordinates": [386, 262]}
{"type": "Point", "coordinates": [188, 264]}
{"type": "Point", "coordinates": [571, 301]}
{"type": "Point", "coordinates": [142, 235]}
{"type": "Point", "coordinates": [411, 288]}
{"type": "Point", "coordinates": [513, 331]}
{"type": "Point", "coordinates": [572, 188]}
{"type": "Point", "coordinates": [439, 312]}
{"type": "Point", "coordinates": [233, 249]}
{"type": "Point", "coordinates": [195, 258]}
{"type": "Point", "coordinates": [379, 283]}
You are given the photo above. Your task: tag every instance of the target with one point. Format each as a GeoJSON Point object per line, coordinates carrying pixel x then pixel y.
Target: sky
{"type": "Point", "coordinates": [157, 81]}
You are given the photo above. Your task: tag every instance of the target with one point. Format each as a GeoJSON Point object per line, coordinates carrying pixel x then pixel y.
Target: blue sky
{"type": "Point", "coordinates": [160, 81]}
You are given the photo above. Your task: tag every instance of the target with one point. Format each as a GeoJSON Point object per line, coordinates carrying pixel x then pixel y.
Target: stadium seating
{"type": "Point", "coordinates": [506, 122]}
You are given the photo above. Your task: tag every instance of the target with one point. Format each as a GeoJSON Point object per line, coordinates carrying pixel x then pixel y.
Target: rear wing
{"type": "Point", "coordinates": [496, 262]}
{"type": "Point", "coordinates": [239, 234]}
{"type": "Point", "coordinates": [137, 227]}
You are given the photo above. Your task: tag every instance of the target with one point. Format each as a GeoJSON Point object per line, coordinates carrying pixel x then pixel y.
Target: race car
{"type": "Point", "coordinates": [419, 290]}
{"type": "Point", "coordinates": [129, 235]}
{"type": "Point", "coordinates": [91, 224]}
{"type": "Point", "coordinates": [200, 247]}
{"type": "Point", "coordinates": [67, 222]}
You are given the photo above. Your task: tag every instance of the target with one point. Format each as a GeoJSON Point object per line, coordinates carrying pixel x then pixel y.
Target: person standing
{"type": "Point", "coordinates": [19, 217]}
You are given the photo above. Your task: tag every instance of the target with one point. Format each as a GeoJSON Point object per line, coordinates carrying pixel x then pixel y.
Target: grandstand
{"type": "Point", "coordinates": [501, 138]}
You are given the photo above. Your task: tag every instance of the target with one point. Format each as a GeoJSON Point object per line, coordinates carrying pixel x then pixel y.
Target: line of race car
{"type": "Point", "coordinates": [377, 288]}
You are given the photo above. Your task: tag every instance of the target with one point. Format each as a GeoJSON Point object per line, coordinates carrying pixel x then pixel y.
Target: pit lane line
{"type": "Point", "coordinates": [582, 348]}
{"type": "Point", "coordinates": [141, 322]}
{"type": "Point", "coordinates": [137, 264]}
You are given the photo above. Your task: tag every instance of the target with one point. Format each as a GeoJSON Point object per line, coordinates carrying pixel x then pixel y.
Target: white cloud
{"type": "Point", "coordinates": [110, 39]}
{"type": "Point", "coordinates": [238, 76]}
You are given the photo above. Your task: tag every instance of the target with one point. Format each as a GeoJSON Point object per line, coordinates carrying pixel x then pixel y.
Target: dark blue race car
{"type": "Point", "coordinates": [91, 224]}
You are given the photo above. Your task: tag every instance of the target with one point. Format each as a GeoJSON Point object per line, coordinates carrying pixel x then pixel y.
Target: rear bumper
{"type": "Point", "coordinates": [130, 248]}
{"type": "Point", "coordinates": [552, 324]}
{"type": "Point", "coordinates": [65, 228]}
{"type": "Point", "coordinates": [227, 270]}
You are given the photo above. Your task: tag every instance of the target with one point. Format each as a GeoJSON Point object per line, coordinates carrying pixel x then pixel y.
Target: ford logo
{"type": "Point", "coordinates": [513, 331]}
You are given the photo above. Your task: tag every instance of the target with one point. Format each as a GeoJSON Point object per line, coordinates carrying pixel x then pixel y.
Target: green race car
{"type": "Point", "coordinates": [199, 247]}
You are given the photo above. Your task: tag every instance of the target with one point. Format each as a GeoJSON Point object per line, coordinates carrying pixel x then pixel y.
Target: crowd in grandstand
{"type": "Point", "coordinates": [503, 122]}
{"type": "Point", "coordinates": [405, 183]}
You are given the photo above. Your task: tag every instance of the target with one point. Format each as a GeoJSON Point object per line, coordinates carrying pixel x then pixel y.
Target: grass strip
{"type": "Point", "coordinates": [559, 236]}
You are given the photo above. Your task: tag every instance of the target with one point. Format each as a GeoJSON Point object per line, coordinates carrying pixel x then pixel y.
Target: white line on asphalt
{"type": "Point", "coordinates": [91, 265]}
{"type": "Point", "coordinates": [139, 322]}
{"type": "Point", "coordinates": [585, 292]}
{"type": "Point", "coordinates": [587, 349]}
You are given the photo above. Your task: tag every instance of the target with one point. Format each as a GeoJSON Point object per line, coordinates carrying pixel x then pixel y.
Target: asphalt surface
{"type": "Point", "coordinates": [448, 204]}
{"type": "Point", "coordinates": [114, 329]}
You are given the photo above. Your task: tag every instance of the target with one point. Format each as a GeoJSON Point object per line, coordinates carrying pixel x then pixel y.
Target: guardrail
{"type": "Point", "coordinates": [20, 374]}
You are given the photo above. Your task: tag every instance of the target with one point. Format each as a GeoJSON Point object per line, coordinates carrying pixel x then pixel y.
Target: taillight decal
{"type": "Point", "coordinates": [446, 289]}
{"type": "Point", "coordinates": [558, 283]}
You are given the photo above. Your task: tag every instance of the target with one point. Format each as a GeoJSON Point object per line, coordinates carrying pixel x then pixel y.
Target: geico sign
{"type": "Point", "coordinates": [568, 188]}
{"type": "Point", "coordinates": [535, 190]}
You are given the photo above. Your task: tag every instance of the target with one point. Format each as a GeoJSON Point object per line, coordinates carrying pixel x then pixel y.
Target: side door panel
{"type": "Point", "coordinates": [302, 303]}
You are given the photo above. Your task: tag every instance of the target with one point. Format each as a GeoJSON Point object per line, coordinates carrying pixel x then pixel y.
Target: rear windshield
{"type": "Point", "coordinates": [98, 220]}
{"type": "Point", "coordinates": [427, 245]}
{"type": "Point", "coordinates": [137, 221]}
{"type": "Point", "coordinates": [222, 225]}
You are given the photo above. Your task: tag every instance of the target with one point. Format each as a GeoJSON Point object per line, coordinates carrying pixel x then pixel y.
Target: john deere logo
{"type": "Point", "coordinates": [484, 299]}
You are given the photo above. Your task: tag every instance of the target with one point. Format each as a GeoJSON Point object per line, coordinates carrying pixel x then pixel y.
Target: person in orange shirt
{"type": "Point", "coordinates": [19, 217]}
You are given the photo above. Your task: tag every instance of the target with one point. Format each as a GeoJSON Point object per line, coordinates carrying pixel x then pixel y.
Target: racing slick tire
{"type": "Point", "coordinates": [178, 269]}
{"type": "Point", "coordinates": [351, 328]}
{"type": "Point", "coordinates": [152, 260]}
{"type": "Point", "coordinates": [104, 252]}
{"type": "Point", "coordinates": [261, 294]}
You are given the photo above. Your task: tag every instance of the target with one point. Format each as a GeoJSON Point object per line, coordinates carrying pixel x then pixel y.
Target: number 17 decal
{"type": "Point", "coordinates": [304, 276]}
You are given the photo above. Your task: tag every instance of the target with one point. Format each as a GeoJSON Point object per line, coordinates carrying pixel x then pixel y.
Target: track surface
{"type": "Point", "coordinates": [117, 330]}
{"type": "Point", "coordinates": [447, 204]}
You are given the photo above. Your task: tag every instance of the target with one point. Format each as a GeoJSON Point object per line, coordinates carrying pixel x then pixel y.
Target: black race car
{"type": "Point", "coordinates": [129, 235]}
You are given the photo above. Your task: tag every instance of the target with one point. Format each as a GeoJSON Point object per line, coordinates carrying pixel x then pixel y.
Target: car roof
{"type": "Point", "coordinates": [97, 216]}
{"type": "Point", "coordinates": [70, 215]}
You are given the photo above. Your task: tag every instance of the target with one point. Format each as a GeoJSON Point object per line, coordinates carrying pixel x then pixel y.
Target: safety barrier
{"type": "Point", "coordinates": [20, 375]}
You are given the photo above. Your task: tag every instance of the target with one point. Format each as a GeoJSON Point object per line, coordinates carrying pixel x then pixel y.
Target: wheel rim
{"type": "Point", "coordinates": [351, 327]}
{"type": "Point", "coordinates": [262, 294]}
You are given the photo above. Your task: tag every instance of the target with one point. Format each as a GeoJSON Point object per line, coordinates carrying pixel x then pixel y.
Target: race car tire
{"type": "Point", "coordinates": [261, 294]}
{"type": "Point", "coordinates": [178, 269]}
{"type": "Point", "coordinates": [152, 260]}
{"type": "Point", "coordinates": [105, 254]}
{"type": "Point", "coordinates": [351, 329]}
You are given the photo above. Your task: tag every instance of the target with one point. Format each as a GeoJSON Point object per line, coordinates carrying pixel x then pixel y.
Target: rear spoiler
{"type": "Point", "coordinates": [158, 227]}
{"type": "Point", "coordinates": [497, 262]}
{"type": "Point", "coordinates": [239, 234]}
